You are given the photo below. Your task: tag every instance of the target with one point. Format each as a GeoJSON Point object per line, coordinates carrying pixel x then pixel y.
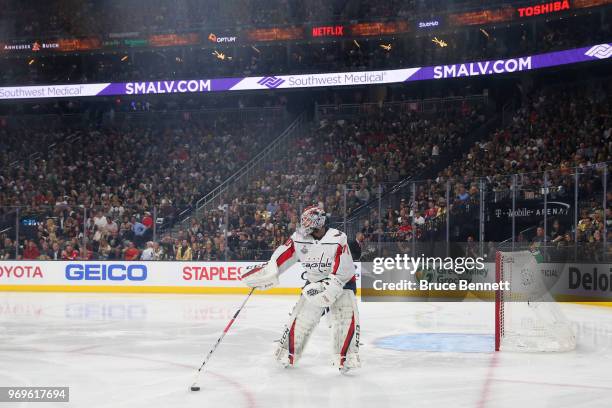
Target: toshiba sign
{"type": "Point", "coordinates": [544, 8]}
{"type": "Point", "coordinates": [328, 31]}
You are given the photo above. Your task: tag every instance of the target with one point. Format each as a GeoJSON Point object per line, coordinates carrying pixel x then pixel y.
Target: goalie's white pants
{"type": "Point", "coordinates": [304, 318]}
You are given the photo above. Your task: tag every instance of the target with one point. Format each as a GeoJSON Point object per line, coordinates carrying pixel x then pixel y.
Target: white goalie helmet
{"type": "Point", "coordinates": [312, 219]}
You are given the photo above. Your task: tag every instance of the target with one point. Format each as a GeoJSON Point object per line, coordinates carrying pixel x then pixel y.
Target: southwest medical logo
{"type": "Point", "coordinates": [271, 82]}
{"type": "Point", "coordinates": [601, 51]}
{"type": "Point", "coordinates": [112, 272]}
{"type": "Point", "coordinates": [348, 78]}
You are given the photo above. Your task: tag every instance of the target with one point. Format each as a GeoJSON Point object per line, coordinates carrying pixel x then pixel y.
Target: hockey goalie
{"type": "Point", "coordinates": [331, 285]}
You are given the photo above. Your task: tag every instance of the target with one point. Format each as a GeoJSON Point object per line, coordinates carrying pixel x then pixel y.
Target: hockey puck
{"type": "Point", "coordinates": [195, 388]}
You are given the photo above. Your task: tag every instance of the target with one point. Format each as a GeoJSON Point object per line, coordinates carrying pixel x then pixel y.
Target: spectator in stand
{"type": "Point", "coordinates": [158, 252]}
{"type": "Point", "coordinates": [595, 243]}
{"type": "Point", "coordinates": [104, 249]}
{"type": "Point", "coordinates": [462, 194]}
{"type": "Point", "coordinates": [540, 237]}
{"type": "Point", "coordinates": [147, 221]}
{"type": "Point", "coordinates": [31, 251]}
{"type": "Point", "coordinates": [7, 251]}
{"type": "Point", "coordinates": [585, 226]}
{"type": "Point", "coordinates": [125, 229]}
{"type": "Point", "coordinates": [367, 229]}
{"type": "Point", "coordinates": [471, 247]}
{"type": "Point", "coordinates": [168, 246]}
{"type": "Point", "coordinates": [557, 231]}
{"type": "Point", "coordinates": [261, 248]}
{"type": "Point", "coordinates": [70, 254]}
{"type": "Point", "coordinates": [432, 210]}
{"type": "Point", "coordinates": [138, 230]}
{"type": "Point", "coordinates": [149, 253]}
{"type": "Point", "coordinates": [419, 220]}
{"type": "Point", "coordinates": [197, 252]}
{"type": "Point", "coordinates": [356, 246]}
{"type": "Point", "coordinates": [116, 254]}
{"type": "Point", "coordinates": [56, 252]}
{"type": "Point", "coordinates": [45, 251]}
{"type": "Point", "coordinates": [131, 253]}
{"type": "Point", "coordinates": [85, 254]}
{"type": "Point", "coordinates": [435, 150]}
{"type": "Point", "coordinates": [209, 253]}
{"type": "Point", "coordinates": [363, 194]}
{"type": "Point", "coordinates": [183, 251]}
{"type": "Point", "coordinates": [111, 226]}
{"type": "Point", "coordinates": [100, 221]}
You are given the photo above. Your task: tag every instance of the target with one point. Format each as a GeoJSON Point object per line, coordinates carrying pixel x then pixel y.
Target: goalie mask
{"type": "Point", "coordinates": [312, 219]}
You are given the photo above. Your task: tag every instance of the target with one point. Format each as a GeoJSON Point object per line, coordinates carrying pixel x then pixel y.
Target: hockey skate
{"type": "Point", "coordinates": [283, 358]}
{"type": "Point", "coordinates": [350, 363]}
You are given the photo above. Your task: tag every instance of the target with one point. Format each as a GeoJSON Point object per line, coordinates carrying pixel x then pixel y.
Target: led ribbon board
{"type": "Point", "coordinates": [468, 69]}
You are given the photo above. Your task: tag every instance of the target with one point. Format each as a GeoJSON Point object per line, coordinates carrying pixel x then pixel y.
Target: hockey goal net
{"type": "Point", "coordinates": [526, 316]}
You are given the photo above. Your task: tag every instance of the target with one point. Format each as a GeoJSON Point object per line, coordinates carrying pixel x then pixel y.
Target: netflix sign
{"type": "Point", "coordinates": [328, 31]}
{"type": "Point", "coordinates": [543, 8]}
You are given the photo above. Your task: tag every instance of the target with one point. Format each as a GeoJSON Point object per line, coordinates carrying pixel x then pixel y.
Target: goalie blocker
{"type": "Point", "coordinates": [331, 283]}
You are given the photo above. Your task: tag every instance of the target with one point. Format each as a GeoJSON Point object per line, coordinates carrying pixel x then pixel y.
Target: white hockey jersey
{"type": "Point", "coordinates": [328, 256]}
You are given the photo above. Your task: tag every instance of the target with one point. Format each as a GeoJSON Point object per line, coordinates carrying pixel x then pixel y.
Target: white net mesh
{"type": "Point", "coordinates": [528, 319]}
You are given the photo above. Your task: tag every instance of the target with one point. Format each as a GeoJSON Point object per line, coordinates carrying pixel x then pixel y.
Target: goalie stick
{"type": "Point", "coordinates": [195, 386]}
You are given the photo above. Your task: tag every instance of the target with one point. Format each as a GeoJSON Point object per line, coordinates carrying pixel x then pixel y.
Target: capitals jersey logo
{"type": "Point", "coordinates": [319, 265]}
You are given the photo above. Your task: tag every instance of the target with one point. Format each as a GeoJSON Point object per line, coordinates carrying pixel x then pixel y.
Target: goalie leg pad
{"type": "Point", "coordinates": [304, 318]}
{"type": "Point", "coordinates": [345, 331]}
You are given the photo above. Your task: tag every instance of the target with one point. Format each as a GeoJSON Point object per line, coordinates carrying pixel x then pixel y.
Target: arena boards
{"type": "Point", "coordinates": [571, 282]}
{"type": "Point", "coordinates": [468, 69]}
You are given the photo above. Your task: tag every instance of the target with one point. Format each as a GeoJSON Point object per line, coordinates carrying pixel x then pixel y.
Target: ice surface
{"type": "Point", "coordinates": [141, 350]}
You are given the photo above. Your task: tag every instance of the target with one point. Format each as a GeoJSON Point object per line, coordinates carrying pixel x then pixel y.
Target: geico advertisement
{"type": "Point", "coordinates": [88, 273]}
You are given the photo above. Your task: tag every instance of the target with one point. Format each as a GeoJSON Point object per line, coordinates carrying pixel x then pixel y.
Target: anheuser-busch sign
{"type": "Point", "coordinates": [544, 8]}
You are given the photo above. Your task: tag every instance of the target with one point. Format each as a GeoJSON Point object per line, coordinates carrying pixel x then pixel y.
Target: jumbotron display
{"type": "Point", "coordinates": [468, 69]}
